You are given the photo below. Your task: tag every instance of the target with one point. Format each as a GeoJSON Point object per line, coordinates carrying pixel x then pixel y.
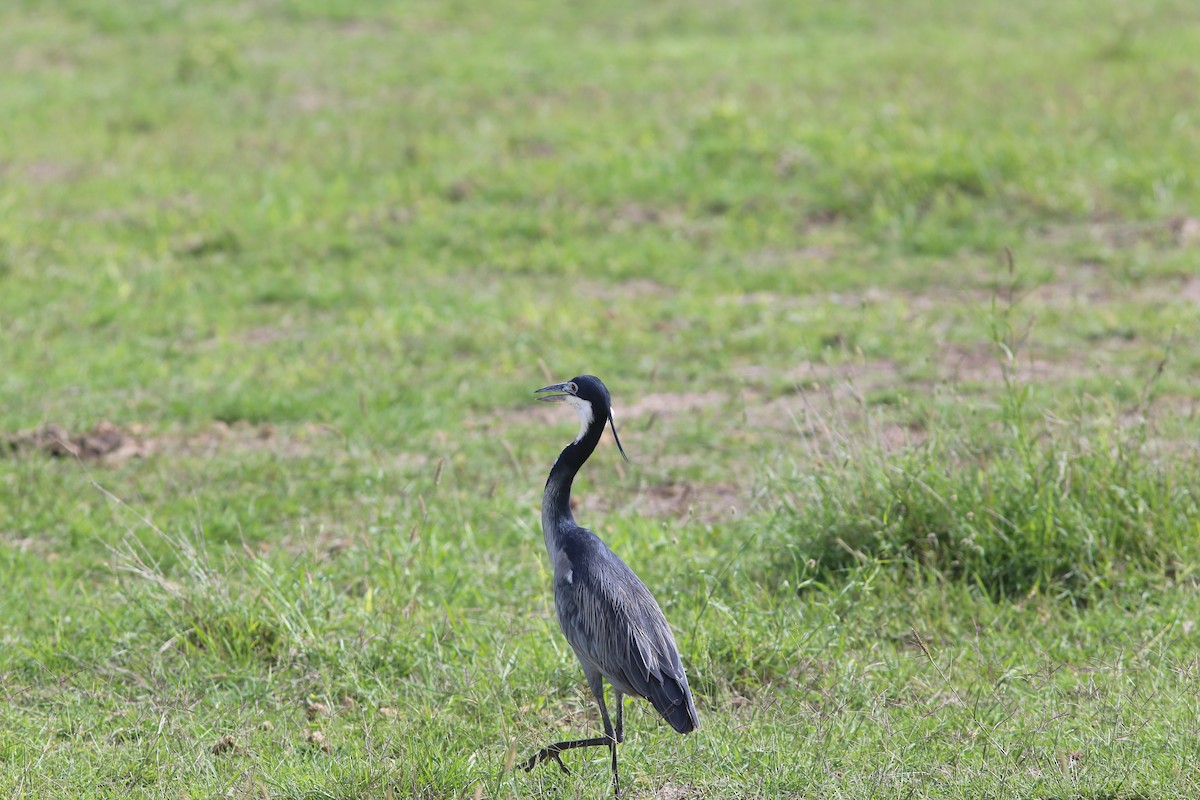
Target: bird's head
{"type": "Point", "coordinates": [589, 397]}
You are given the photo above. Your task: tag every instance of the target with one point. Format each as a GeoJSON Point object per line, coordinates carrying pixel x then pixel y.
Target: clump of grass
{"type": "Point", "coordinates": [1005, 499]}
{"type": "Point", "coordinates": [1063, 515]}
{"type": "Point", "coordinates": [195, 606]}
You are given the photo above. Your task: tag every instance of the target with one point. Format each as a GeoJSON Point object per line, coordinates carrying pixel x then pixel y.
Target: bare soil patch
{"type": "Point", "coordinates": [51, 172]}
{"type": "Point", "coordinates": [820, 422]}
{"type": "Point", "coordinates": [310, 100]}
{"type": "Point", "coordinates": [814, 374]}
{"type": "Point", "coordinates": [638, 215]}
{"type": "Point", "coordinates": [105, 442]}
{"type": "Point", "coordinates": [263, 335]}
{"type": "Point", "coordinates": [1180, 231]}
{"type": "Point", "coordinates": [983, 365]}
{"type": "Point", "coordinates": [784, 258]}
{"type": "Point", "coordinates": [626, 291]}
{"type": "Point", "coordinates": [109, 444]}
{"type": "Point", "coordinates": [669, 403]}
{"type": "Point", "coordinates": [682, 501]}
{"type": "Point", "coordinates": [1190, 290]}
{"type": "Point", "coordinates": [820, 396]}
{"type": "Point", "coordinates": [1186, 231]}
{"type": "Point", "coordinates": [707, 502]}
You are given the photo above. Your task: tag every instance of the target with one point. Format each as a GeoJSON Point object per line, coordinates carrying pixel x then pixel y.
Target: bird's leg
{"type": "Point", "coordinates": [609, 739]}
{"type": "Point", "coordinates": [617, 738]}
{"type": "Point", "coordinates": [597, 684]}
{"type": "Point", "coordinates": [551, 751]}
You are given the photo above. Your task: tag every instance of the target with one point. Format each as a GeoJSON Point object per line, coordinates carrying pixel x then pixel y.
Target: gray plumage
{"type": "Point", "coordinates": [615, 626]}
{"type": "Point", "coordinates": [606, 613]}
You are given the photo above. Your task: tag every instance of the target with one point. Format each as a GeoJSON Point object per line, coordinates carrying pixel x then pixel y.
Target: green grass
{"type": "Point", "coordinates": [923, 517]}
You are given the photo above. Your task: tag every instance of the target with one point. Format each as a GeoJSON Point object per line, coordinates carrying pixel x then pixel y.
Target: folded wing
{"type": "Point", "coordinates": [614, 625]}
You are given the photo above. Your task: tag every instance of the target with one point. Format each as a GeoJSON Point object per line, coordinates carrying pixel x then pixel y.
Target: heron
{"type": "Point", "coordinates": [606, 613]}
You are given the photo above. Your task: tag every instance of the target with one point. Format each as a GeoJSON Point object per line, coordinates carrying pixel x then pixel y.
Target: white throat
{"type": "Point", "coordinates": [584, 409]}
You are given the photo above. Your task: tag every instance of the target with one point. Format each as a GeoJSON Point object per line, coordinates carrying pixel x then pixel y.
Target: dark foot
{"type": "Point", "coordinates": [542, 755]}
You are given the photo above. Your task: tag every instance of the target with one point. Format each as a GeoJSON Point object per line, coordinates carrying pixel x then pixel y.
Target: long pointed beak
{"type": "Point", "coordinates": [554, 398]}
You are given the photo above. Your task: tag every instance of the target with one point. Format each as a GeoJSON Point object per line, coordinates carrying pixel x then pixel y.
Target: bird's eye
{"type": "Point", "coordinates": [574, 388]}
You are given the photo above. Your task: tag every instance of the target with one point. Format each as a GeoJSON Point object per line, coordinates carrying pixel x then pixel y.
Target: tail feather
{"type": "Point", "coordinates": [674, 701]}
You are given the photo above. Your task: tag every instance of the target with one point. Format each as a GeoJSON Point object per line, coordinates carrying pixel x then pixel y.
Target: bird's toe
{"type": "Point", "coordinates": [541, 756]}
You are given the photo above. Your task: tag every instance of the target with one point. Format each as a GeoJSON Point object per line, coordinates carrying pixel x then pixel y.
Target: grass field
{"type": "Point", "coordinates": [897, 303]}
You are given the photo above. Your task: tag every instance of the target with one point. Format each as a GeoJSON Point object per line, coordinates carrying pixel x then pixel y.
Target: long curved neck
{"type": "Point", "coordinates": [556, 498]}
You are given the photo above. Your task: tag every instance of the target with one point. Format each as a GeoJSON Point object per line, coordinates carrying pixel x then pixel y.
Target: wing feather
{"type": "Point", "coordinates": [615, 626]}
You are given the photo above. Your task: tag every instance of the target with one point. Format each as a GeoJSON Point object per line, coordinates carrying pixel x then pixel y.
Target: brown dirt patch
{"type": "Point", "coordinates": [50, 172]}
{"type": "Point", "coordinates": [983, 365]}
{"type": "Point", "coordinates": [263, 335]}
{"type": "Point", "coordinates": [638, 215]}
{"type": "Point", "coordinates": [822, 397]}
{"type": "Point", "coordinates": [1121, 234]}
{"type": "Point", "coordinates": [226, 744]}
{"type": "Point", "coordinates": [1186, 231]}
{"type": "Point", "coordinates": [813, 374]}
{"type": "Point", "coordinates": [706, 502]}
{"type": "Point", "coordinates": [821, 421]}
{"type": "Point", "coordinates": [1189, 290]}
{"type": "Point", "coordinates": [787, 258]}
{"type": "Point", "coordinates": [635, 216]}
{"type": "Point", "coordinates": [42, 546]}
{"type": "Point", "coordinates": [670, 403]}
{"type": "Point", "coordinates": [105, 442]}
{"type": "Point", "coordinates": [326, 544]}
{"type": "Point", "coordinates": [111, 445]}
{"type": "Point", "coordinates": [311, 100]}
{"type": "Point", "coordinates": [625, 291]}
